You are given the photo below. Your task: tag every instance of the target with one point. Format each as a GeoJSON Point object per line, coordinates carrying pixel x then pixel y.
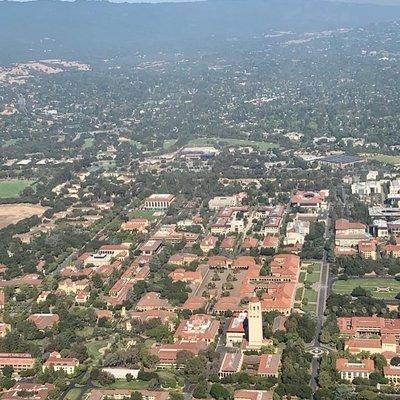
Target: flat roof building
{"type": "Point", "coordinates": [158, 201]}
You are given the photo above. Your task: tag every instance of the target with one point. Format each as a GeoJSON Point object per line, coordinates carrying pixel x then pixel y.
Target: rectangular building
{"type": "Point", "coordinates": [158, 202]}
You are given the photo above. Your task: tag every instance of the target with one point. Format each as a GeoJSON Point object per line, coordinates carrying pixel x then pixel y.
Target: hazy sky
{"type": "Point", "coordinates": [382, 2]}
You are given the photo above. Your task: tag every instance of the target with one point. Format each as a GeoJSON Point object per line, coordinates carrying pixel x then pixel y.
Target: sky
{"type": "Point", "coordinates": [382, 2]}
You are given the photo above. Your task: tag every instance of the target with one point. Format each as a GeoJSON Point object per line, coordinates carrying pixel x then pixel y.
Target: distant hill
{"type": "Point", "coordinates": [100, 29]}
{"type": "Point", "coordinates": [378, 2]}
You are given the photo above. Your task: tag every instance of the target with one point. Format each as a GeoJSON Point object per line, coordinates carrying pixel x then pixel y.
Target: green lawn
{"type": "Point", "coordinates": [93, 347]}
{"type": "Point", "coordinates": [133, 385]}
{"type": "Point", "coordinates": [149, 342]}
{"type": "Point", "coordinates": [13, 187]}
{"type": "Point", "coordinates": [375, 285]}
{"type": "Point", "coordinates": [88, 143]}
{"type": "Point", "coordinates": [74, 394]}
{"type": "Point", "coordinates": [299, 294]}
{"type": "Point", "coordinates": [302, 277]}
{"type": "Point", "coordinates": [311, 308]}
{"type": "Point", "coordinates": [311, 295]}
{"type": "Point", "coordinates": [385, 159]}
{"type": "Point", "coordinates": [142, 214]}
{"type": "Point", "coordinates": [168, 143]}
{"type": "Point", "coordinates": [314, 277]}
{"type": "Point", "coordinates": [10, 142]}
{"type": "Point", "coordinates": [316, 267]}
{"type": "Point", "coordinates": [86, 332]}
{"type": "Point", "coordinates": [171, 374]}
{"type": "Point", "coordinates": [231, 142]}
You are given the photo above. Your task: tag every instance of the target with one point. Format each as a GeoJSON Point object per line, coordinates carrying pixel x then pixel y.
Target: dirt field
{"type": "Point", "coordinates": [12, 213]}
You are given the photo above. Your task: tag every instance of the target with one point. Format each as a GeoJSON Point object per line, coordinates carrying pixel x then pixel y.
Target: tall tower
{"type": "Point", "coordinates": [255, 324]}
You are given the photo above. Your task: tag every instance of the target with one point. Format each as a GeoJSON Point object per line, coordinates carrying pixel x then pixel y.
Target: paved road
{"type": "Point", "coordinates": [322, 296]}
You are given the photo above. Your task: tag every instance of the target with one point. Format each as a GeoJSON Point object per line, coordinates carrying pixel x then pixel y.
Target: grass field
{"type": "Point", "coordinates": [86, 332]}
{"type": "Point", "coordinates": [302, 277]}
{"type": "Point", "coordinates": [133, 385]}
{"type": "Point", "coordinates": [299, 294]}
{"type": "Point", "coordinates": [142, 214]}
{"type": "Point", "coordinates": [88, 143]}
{"type": "Point", "coordinates": [314, 277]}
{"type": "Point", "coordinates": [231, 142]}
{"type": "Point", "coordinates": [94, 347]}
{"type": "Point", "coordinates": [374, 285]}
{"type": "Point", "coordinates": [168, 143]}
{"type": "Point", "coordinates": [316, 267]}
{"type": "Point", "coordinates": [13, 187]}
{"type": "Point", "coordinates": [311, 308]}
{"type": "Point", "coordinates": [385, 159]}
{"type": "Point", "coordinates": [311, 295]}
{"type": "Point", "coordinates": [74, 394]}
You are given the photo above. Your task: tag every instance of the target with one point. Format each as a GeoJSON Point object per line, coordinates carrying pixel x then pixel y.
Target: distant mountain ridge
{"type": "Point", "coordinates": [96, 28]}
{"type": "Point", "coordinates": [378, 2]}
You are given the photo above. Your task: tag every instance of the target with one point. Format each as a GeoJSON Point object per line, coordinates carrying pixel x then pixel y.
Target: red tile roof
{"type": "Point", "coordinates": [253, 395]}
{"type": "Point", "coordinates": [44, 321]}
{"type": "Point", "coordinates": [194, 303]}
{"type": "Point", "coordinates": [344, 224]}
{"type": "Point", "coordinates": [269, 364]}
{"type": "Point", "coordinates": [344, 365]}
{"type": "Point", "coordinates": [168, 352]}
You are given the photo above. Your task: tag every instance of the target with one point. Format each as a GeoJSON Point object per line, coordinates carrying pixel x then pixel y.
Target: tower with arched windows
{"type": "Point", "coordinates": [255, 324]}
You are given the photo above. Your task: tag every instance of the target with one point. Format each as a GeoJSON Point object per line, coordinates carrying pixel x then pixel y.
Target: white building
{"type": "Point", "coordinates": [368, 188]}
{"type": "Point", "coordinates": [372, 175]}
{"type": "Point", "coordinates": [158, 201]}
{"type": "Point", "coordinates": [236, 331]}
{"type": "Point", "coordinates": [120, 373]}
{"type": "Point", "coordinates": [68, 365]}
{"type": "Point", "coordinates": [350, 370]}
{"type": "Point", "coordinates": [394, 187]}
{"type": "Point", "coordinates": [223, 201]}
{"type": "Point", "coordinates": [380, 228]}
{"type": "Point", "coordinates": [296, 232]}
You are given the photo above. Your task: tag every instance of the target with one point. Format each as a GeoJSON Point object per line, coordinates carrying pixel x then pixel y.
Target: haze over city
{"type": "Point", "coordinates": [200, 200]}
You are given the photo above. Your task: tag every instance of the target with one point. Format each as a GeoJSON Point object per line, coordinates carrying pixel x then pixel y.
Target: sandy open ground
{"type": "Point", "coordinates": [12, 213]}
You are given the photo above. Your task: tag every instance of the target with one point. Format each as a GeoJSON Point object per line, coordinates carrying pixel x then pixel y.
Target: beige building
{"type": "Point", "coordinates": [223, 201]}
{"type": "Point", "coordinates": [350, 370]}
{"type": "Point", "coordinates": [158, 202]}
{"type": "Point", "coordinates": [19, 361]}
{"type": "Point", "coordinates": [236, 331]}
{"type": "Point", "coordinates": [68, 365]}
{"type": "Point", "coordinates": [348, 234]}
{"type": "Point", "coordinates": [255, 324]}
{"type": "Point", "coordinates": [392, 373]}
{"type": "Point", "coordinates": [68, 286]}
